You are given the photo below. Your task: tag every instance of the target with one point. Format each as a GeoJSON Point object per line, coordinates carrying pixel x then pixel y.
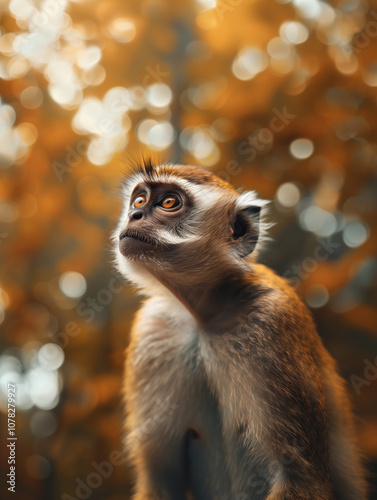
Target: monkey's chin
{"type": "Point", "coordinates": [133, 247]}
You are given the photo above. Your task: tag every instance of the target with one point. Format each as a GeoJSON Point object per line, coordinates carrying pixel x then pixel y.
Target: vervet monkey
{"type": "Point", "coordinates": [229, 391]}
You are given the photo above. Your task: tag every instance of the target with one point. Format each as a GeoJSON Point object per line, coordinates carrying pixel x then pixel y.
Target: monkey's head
{"type": "Point", "coordinates": [182, 223]}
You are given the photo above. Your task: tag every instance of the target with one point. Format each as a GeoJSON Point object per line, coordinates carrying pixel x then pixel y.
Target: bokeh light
{"type": "Point", "coordinates": [72, 284]}
{"type": "Point", "coordinates": [355, 234]}
{"type": "Point", "coordinates": [301, 148]}
{"type": "Point", "coordinates": [31, 97]}
{"type": "Point", "coordinates": [294, 32]}
{"type": "Point", "coordinates": [319, 221]}
{"type": "Point", "coordinates": [317, 296]}
{"type": "Point", "coordinates": [288, 195]}
{"type": "Point", "coordinates": [35, 371]}
{"type": "Point", "coordinates": [159, 95]}
{"type": "Point", "coordinates": [43, 388]}
{"type": "Point", "coordinates": [51, 356]}
{"type": "Point", "coordinates": [123, 30]}
{"type": "Point", "coordinates": [249, 62]}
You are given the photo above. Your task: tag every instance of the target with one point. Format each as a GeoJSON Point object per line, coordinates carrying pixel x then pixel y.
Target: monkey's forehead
{"type": "Point", "coordinates": [147, 172]}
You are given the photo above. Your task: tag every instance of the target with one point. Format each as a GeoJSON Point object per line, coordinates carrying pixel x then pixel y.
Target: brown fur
{"type": "Point", "coordinates": [229, 391]}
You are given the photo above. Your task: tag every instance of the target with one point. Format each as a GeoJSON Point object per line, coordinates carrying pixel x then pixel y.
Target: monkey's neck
{"type": "Point", "coordinates": [215, 304]}
{"type": "Point", "coordinates": [215, 308]}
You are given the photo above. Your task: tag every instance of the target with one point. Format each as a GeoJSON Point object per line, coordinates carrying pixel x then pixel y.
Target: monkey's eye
{"type": "Point", "coordinates": [140, 200]}
{"type": "Point", "coordinates": [170, 201]}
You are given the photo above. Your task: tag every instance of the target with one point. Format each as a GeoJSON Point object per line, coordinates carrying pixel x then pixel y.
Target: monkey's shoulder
{"type": "Point", "coordinates": [266, 277]}
{"type": "Point", "coordinates": [275, 305]}
{"type": "Point", "coordinates": [275, 287]}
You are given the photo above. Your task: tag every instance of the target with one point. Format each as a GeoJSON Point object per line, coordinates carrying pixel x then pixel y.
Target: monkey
{"type": "Point", "coordinates": [229, 391]}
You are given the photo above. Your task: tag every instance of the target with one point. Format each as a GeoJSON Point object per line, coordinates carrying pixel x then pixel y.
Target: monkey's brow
{"type": "Point", "coordinates": [194, 175]}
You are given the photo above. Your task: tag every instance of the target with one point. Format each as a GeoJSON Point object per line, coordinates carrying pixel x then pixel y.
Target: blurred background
{"type": "Point", "coordinates": [277, 96]}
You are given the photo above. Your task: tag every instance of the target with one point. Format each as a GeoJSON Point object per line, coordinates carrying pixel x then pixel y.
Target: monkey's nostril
{"type": "Point", "coordinates": [137, 215]}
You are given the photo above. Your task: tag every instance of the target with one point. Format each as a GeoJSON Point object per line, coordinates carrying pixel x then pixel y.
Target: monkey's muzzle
{"type": "Point", "coordinates": [133, 242]}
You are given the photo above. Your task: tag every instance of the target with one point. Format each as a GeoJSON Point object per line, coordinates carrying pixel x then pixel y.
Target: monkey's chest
{"type": "Point", "coordinates": [179, 396]}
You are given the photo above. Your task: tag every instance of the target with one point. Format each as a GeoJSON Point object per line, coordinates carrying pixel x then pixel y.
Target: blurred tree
{"type": "Point", "coordinates": [278, 96]}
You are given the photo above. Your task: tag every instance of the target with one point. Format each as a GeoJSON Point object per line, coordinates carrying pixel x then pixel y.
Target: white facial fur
{"type": "Point", "coordinates": [204, 196]}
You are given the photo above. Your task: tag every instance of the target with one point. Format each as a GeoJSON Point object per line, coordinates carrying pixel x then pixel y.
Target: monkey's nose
{"type": "Point", "coordinates": [137, 215]}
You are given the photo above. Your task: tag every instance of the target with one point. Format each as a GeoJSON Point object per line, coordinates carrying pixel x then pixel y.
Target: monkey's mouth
{"type": "Point", "coordinates": [131, 234]}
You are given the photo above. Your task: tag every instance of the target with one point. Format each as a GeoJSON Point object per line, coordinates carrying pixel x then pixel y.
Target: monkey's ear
{"type": "Point", "coordinates": [246, 223]}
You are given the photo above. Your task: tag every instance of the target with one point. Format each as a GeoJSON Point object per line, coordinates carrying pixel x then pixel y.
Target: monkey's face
{"type": "Point", "coordinates": [154, 221]}
{"type": "Point", "coordinates": [184, 223]}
